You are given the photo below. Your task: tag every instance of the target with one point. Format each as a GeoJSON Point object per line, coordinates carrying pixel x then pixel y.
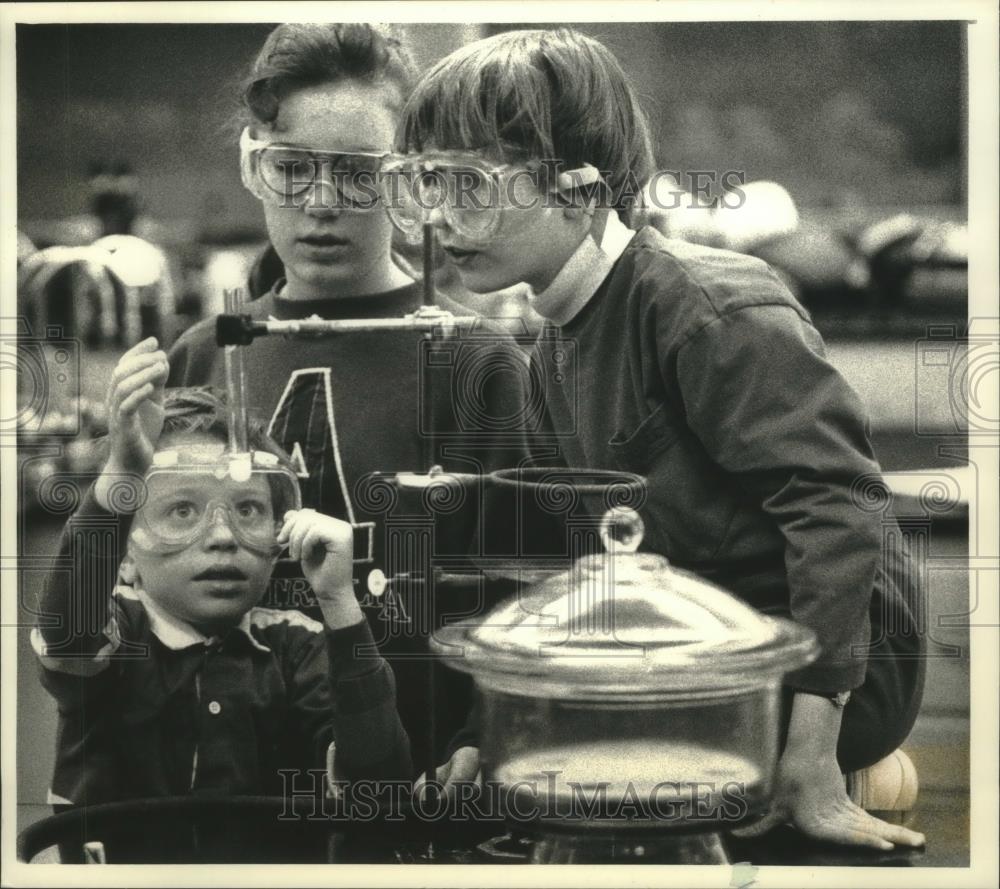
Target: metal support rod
{"type": "Point", "coordinates": [428, 264]}
{"type": "Point", "coordinates": [242, 329]}
{"type": "Point", "coordinates": [428, 421]}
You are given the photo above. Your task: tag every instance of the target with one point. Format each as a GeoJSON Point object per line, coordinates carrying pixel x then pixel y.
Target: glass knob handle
{"type": "Point", "coordinates": [622, 530]}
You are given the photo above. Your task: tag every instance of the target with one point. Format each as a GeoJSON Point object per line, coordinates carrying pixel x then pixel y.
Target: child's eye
{"type": "Point", "coordinates": [476, 187]}
{"type": "Point", "coordinates": [251, 509]}
{"type": "Point", "coordinates": [290, 164]}
{"type": "Point", "coordinates": [287, 170]}
{"type": "Point", "coordinates": [182, 511]}
{"type": "Point", "coordinates": [363, 167]}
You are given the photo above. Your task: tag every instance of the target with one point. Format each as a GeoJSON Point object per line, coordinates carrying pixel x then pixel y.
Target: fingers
{"type": "Point", "coordinates": [305, 529]}
{"type": "Point", "coordinates": [895, 833]}
{"type": "Point", "coordinates": [131, 404]}
{"type": "Point", "coordinates": [297, 527]}
{"type": "Point", "coordinates": [462, 767]}
{"type": "Point", "coordinates": [134, 371]}
{"type": "Point", "coordinates": [297, 532]}
{"type": "Point", "coordinates": [134, 360]}
{"type": "Point", "coordinates": [849, 832]}
{"type": "Point", "coordinates": [845, 826]}
{"type": "Point", "coordinates": [315, 545]}
{"type": "Point", "coordinates": [853, 826]}
{"type": "Point", "coordinates": [146, 379]}
{"type": "Point", "coordinates": [441, 774]}
{"type": "Point", "coordinates": [286, 527]}
{"type": "Point", "coordinates": [136, 385]}
{"type": "Point", "coordinates": [150, 344]}
{"type": "Point", "coordinates": [464, 764]}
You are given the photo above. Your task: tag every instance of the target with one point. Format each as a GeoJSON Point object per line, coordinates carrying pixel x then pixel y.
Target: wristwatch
{"type": "Point", "coordinates": [839, 700]}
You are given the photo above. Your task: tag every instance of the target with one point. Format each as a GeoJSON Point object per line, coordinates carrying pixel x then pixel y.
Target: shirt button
{"type": "Point", "coordinates": [215, 708]}
{"type": "Point", "coordinates": [377, 582]}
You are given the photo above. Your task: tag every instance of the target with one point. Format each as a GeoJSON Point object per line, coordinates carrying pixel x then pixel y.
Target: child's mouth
{"type": "Point", "coordinates": [323, 242]}
{"type": "Point", "coordinates": [221, 573]}
{"type": "Point", "coordinates": [460, 257]}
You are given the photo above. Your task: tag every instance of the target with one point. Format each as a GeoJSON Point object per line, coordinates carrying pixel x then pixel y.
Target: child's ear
{"type": "Point", "coordinates": [127, 572]}
{"type": "Point", "coordinates": [580, 189]}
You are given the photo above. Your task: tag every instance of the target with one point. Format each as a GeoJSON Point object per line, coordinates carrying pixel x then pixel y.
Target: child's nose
{"type": "Point", "coordinates": [323, 198]}
{"type": "Point", "coordinates": [436, 217]}
{"type": "Point", "coordinates": [219, 534]}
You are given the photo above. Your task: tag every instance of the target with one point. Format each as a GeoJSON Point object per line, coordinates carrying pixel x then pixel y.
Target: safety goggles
{"type": "Point", "coordinates": [288, 173]}
{"type": "Point", "coordinates": [470, 192]}
{"type": "Point", "coordinates": [185, 497]}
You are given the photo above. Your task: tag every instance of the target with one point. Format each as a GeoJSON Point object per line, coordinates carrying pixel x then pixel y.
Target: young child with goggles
{"type": "Point", "coordinates": [170, 679]}
{"type": "Point", "coordinates": [697, 369]}
{"type": "Point", "coordinates": [184, 497]}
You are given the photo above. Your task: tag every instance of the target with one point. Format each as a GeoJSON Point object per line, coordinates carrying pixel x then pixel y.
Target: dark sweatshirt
{"type": "Point", "coordinates": [698, 369]}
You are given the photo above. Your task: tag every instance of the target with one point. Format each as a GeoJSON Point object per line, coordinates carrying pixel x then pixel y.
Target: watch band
{"type": "Point", "coordinates": [839, 699]}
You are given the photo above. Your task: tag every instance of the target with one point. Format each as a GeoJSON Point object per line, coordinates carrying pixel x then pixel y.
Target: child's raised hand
{"type": "Point", "coordinates": [135, 406]}
{"type": "Point", "coordinates": [325, 547]}
{"type": "Point", "coordinates": [135, 415]}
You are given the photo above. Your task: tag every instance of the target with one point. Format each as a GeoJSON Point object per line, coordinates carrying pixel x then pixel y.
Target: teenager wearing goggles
{"type": "Point", "coordinates": [298, 176]}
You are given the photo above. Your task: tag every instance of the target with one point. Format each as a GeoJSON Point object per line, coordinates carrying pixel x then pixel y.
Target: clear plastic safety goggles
{"type": "Point", "coordinates": [287, 173]}
{"type": "Point", "coordinates": [470, 192]}
{"type": "Point", "coordinates": [184, 497]}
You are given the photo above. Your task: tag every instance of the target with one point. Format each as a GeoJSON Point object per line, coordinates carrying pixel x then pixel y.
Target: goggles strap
{"type": "Point", "coordinates": [581, 187]}
{"type": "Point", "coordinates": [568, 180]}
{"type": "Point", "coordinates": [246, 162]}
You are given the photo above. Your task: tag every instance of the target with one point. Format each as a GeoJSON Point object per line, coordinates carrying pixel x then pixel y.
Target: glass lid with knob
{"type": "Point", "coordinates": [625, 621]}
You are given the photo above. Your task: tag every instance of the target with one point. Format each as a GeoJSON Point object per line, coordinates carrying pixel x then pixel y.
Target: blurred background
{"type": "Point", "coordinates": [850, 137]}
{"type": "Point", "coordinates": [841, 113]}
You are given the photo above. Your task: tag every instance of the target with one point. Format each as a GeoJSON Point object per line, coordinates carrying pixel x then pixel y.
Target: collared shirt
{"type": "Point", "coordinates": [578, 280]}
{"type": "Point", "coordinates": [148, 706]}
{"type": "Point", "coordinates": [176, 633]}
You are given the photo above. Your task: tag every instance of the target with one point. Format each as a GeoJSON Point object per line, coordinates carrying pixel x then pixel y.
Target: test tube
{"type": "Point", "coordinates": [235, 381]}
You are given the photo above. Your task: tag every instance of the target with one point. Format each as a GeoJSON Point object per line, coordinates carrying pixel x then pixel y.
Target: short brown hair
{"type": "Point", "coordinates": [299, 55]}
{"type": "Point", "coordinates": [546, 95]}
